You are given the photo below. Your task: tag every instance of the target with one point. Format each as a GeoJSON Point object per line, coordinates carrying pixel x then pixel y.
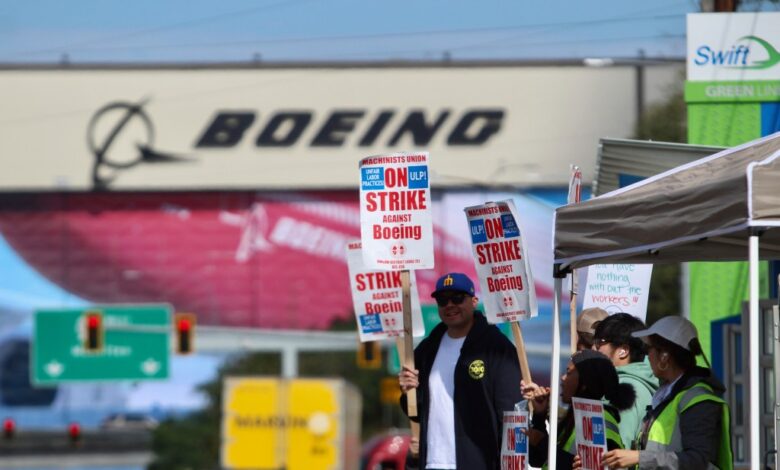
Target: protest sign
{"type": "Point", "coordinates": [378, 299]}
{"type": "Point", "coordinates": [500, 258]}
{"type": "Point", "coordinates": [395, 212]}
{"type": "Point", "coordinates": [619, 288]}
{"type": "Point", "coordinates": [514, 444]}
{"type": "Point", "coordinates": [590, 432]}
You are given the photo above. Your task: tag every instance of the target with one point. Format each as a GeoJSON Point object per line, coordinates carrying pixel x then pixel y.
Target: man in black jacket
{"type": "Point", "coordinates": [467, 376]}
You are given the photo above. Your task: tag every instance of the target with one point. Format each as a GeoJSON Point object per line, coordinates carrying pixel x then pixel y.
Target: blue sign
{"type": "Point", "coordinates": [370, 323]}
{"type": "Point", "coordinates": [418, 177]}
{"type": "Point", "coordinates": [478, 234]}
{"type": "Point", "coordinates": [372, 178]}
{"type": "Point", "coordinates": [510, 226]}
{"type": "Point", "coordinates": [521, 441]}
{"type": "Point", "coordinates": [598, 431]}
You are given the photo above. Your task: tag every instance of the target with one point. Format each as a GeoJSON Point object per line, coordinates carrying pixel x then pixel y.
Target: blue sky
{"type": "Point", "coordinates": [305, 30]}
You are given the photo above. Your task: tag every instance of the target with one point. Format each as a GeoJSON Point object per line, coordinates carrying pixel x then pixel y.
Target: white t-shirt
{"type": "Point", "coordinates": [441, 414]}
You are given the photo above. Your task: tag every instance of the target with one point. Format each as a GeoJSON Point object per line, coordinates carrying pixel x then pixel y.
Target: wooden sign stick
{"type": "Point", "coordinates": [517, 333]}
{"type": "Point", "coordinates": [415, 427]}
{"type": "Point", "coordinates": [522, 356]}
{"type": "Point", "coordinates": [573, 312]}
{"type": "Point", "coordinates": [408, 356]}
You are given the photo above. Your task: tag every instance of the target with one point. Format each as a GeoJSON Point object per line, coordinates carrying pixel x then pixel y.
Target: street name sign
{"type": "Point", "coordinates": [135, 344]}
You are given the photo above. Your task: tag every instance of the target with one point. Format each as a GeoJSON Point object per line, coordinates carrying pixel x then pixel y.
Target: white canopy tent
{"type": "Point", "coordinates": [714, 209]}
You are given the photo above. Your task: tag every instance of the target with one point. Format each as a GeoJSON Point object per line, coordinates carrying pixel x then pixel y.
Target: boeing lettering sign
{"type": "Point", "coordinates": [304, 127]}
{"type": "Point", "coordinates": [284, 128]}
{"type": "Point", "coordinates": [734, 46]}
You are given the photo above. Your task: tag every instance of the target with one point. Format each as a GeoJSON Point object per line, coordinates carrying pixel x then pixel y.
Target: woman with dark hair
{"type": "Point", "coordinates": [688, 425]}
{"type": "Point", "coordinates": [589, 374]}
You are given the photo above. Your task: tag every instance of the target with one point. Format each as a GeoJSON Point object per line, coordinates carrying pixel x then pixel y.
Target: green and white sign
{"type": "Point", "coordinates": [733, 46]}
{"type": "Point", "coordinates": [135, 345]}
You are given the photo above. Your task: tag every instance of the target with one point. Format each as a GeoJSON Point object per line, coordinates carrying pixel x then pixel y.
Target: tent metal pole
{"type": "Point", "coordinates": [555, 375]}
{"type": "Point", "coordinates": [776, 385]}
{"type": "Point", "coordinates": [755, 364]}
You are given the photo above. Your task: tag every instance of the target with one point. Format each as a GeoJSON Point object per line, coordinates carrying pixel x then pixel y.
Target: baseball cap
{"type": "Point", "coordinates": [457, 282]}
{"type": "Point", "coordinates": [676, 329]}
{"type": "Point", "coordinates": [587, 319]}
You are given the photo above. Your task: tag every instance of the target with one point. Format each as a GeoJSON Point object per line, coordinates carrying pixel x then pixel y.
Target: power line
{"type": "Point", "coordinates": [156, 29]}
{"type": "Point", "coordinates": [527, 44]}
{"type": "Point", "coordinates": [294, 40]}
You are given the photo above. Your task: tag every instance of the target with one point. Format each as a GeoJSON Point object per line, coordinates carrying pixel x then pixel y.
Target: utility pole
{"type": "Point", "coordinates": [713, 6]}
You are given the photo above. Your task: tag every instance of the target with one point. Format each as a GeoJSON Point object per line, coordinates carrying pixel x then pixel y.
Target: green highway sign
{"type": "Point", "coordinates": [135, 344]}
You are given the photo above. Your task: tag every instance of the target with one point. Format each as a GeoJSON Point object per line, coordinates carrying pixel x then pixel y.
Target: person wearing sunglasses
{"type": "Point", "coordinates": [612, 337]}
{"type": "Point", "coordinates": [467, 375]}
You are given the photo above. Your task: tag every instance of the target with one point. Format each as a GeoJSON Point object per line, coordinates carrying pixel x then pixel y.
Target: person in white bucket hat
{"type": "Point", "coordinates": [687, 425]}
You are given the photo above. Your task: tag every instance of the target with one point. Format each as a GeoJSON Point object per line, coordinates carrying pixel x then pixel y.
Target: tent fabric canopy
{"type": "Point", "coordinates": [701, 211]}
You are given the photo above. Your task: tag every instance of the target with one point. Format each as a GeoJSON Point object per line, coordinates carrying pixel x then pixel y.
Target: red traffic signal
{"type": "Point", "coordinates": [9, 428]}
{"type": "Point", "coordinates": [74, 433]}
{"type": "Point", "coordinates": [184, 323]}
{"type": "Point", "coordinates": [93, 338]}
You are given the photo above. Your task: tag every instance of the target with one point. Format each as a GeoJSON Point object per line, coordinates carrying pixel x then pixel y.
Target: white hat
{"type": "Point", "coordinates": [676, 329]}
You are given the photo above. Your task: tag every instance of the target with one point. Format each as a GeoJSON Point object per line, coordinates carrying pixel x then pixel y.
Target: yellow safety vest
{"type": "Point", "coordinates": [664, 434]}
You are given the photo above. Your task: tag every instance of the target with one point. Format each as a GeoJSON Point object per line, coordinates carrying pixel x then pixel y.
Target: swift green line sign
{"type": "Point", "coordinates": [135, 345]}
{"type": "Point", "coordinates": [734, 46]}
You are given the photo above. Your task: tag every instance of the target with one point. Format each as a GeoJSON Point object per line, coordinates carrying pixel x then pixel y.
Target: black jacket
{"type": "Point", "coordinates": [479, 401]}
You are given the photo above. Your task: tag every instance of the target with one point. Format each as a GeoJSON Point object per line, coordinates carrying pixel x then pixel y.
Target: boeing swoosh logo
{"type": "Point", "coordinates": [103, 138]}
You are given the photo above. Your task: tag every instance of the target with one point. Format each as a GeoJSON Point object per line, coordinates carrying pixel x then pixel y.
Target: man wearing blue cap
{"type": "Point", "coordinates": [467, 376]}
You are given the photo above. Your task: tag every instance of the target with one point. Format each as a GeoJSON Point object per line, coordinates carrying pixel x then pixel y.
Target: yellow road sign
{"type": "Point", "coordinates": [295, 424]}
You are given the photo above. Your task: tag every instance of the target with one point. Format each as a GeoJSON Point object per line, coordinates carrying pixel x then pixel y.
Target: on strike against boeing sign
{"type": "Point", "coordinates": [377, 297]}
{"type": "Point", "coordinates": [502, 266]}
{"type": "Point", "coordinates": [395, 213]}
{"type": "Point", "coordinates": [590, 431]}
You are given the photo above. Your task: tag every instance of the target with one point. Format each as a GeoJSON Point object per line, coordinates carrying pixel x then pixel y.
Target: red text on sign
{"type": "Point", "coordinates": [379, 280]}
{"type": "Point", "coordinates": [396, 177]}
{"type": "Point", "coordinates": [407, 232]}
{"type": "Point", "coordinates": [498, 252]}
{"type": "Point", "coordinates": [498, 284]}
{"type": "Point", "coordinates": [590, 455]}
{"type": "Point", "coordinates": [513, 462]}
{"type": "Point", "coordinates": [384, 307]}
{"type": "Point", "coordinates": [494, 229]}
{"type": "Point", "coordinates": [394, 201]}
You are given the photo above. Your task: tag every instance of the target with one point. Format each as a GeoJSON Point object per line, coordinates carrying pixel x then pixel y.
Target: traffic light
{"type": "Point", "coordinates": [184, 323]}
{"type": "Point", "coordinates": [93, 338]}
{"type": "Point", "coordinates": [74, 433]}
{"type": "Point", "coordinates": [9, 429]}
{"type": "Point", "coordinates": [369, 355]}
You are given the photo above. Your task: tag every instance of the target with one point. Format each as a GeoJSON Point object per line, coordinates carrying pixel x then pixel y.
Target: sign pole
{"type": "Point", "coordinates": [522, 356]}
{"type": "Point", "coordinates": [573, 311]}
{"type": "Point", "coordinates": [574, 197]}
{"type": "Point", "coordinates": [408, 355]}
{"type": "Point", "coordinates": [517, 333]}
{"type": "Point", "coordinates": [400, 347]}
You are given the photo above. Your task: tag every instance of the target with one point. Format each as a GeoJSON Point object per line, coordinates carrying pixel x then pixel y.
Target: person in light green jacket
{"type": "Point", "coordinates": [612, 337]}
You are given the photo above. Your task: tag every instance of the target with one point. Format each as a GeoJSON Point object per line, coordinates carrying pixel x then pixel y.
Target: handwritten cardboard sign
{"type": "Point", "coordinates": [396, 227]}
{"type": "Point", "coordinates": [619, 288]}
